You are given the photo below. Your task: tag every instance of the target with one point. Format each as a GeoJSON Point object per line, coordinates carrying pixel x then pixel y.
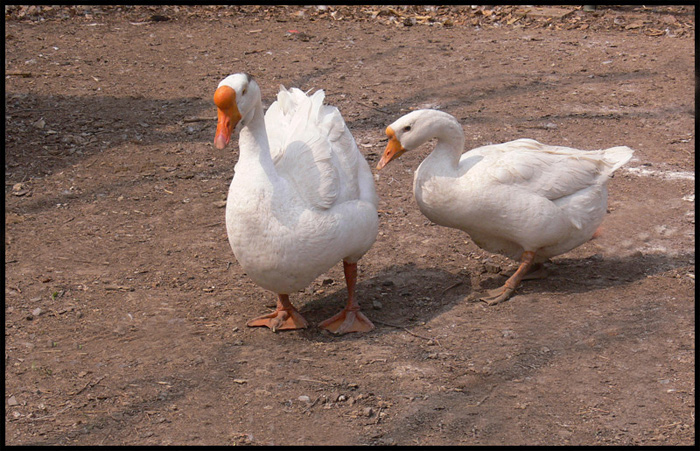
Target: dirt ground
{"type": "Point", "coordinates": [125, 309]}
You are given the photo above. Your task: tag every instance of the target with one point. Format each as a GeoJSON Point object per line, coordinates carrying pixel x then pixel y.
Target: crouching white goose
{"type": "Point", "coordinates": [302, 197]}
{"type": "Point", "coordinates": [522, 199]}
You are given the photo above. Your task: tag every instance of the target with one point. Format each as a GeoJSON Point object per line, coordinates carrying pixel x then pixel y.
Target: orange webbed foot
{"type": "Point", "coordinates": [285, 317]}
{"type": "Point", "coordinates": [280, 320]}
{"type": "Point", "coordinates": [493, 297]}
{"type": "Point", "coordinates": [347, 321]}
{"type": "Point", "coordinates": [496, 296]}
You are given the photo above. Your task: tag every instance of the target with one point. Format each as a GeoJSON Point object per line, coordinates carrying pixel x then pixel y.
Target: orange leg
{"type": "Point", "coordinates": [350, 319]}
{"type": "Point", "coordinates": [285, 317]}
{"type": "Point", "coordinates": [536, 271]}
{"type": "Point", "coordinates": [501, 294]}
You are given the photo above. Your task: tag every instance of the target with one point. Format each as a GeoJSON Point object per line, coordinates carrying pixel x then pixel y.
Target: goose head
{"type": "Point", "coordinates": [413, 130]}
{"type": "Point", "coordinates": [236, 98]}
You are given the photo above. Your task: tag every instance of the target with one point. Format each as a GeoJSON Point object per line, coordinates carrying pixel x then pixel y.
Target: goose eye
{"type": "Point", "coordinates": [407, 128]}
{"type": "Point", "coordinates": [244, 91]}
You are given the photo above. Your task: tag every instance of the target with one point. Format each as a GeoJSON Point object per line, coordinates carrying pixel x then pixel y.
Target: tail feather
{"type": "Point", "coordinates": [618, 156]}
{"type": "Point", "coordinates": [294, 102]}
{"type": "Point", "coordinates": [284, 99]}
{"type": "Point", "coordinates": [316, 105]}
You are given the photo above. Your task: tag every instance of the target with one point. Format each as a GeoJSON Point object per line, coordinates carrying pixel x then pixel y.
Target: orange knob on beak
{"type": "Point", "coordinates": [228, 115]}
{"type": "Point", "coordinates": [393, 150]}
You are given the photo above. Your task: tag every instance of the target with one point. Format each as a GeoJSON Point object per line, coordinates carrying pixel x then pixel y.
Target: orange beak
{"type": "Point", "coordinates": [394, 149]}
{"type": "Point", "coordinates": [225, 100]}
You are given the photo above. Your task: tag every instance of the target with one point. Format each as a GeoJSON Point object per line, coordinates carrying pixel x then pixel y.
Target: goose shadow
{"type": "Point", "coordinates": [406, 295]}
{"type": "Point", "coordinates": [400, 295]}
{"type": "Point", "coordinates": [579, 275]}
{"type": "Point", "coordinates": [74, 130]}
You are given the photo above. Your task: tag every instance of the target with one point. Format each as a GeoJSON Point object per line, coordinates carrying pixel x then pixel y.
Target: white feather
{"type": "Point", "coordinates": [511, 197]}
{"type": "Point", "coordinates": [302, 198]}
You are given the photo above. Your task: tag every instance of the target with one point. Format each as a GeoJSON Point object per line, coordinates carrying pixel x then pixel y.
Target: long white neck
{"type": "Point", "coordinates": [450, 142]}
{"type": "Point", "coordinates": [254, 147]}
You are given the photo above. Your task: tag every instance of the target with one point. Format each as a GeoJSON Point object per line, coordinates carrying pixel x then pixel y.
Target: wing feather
{"type": "Point", "coordinates": [313, 148]}
{"type": "Point", "coordinates": [550, 171]}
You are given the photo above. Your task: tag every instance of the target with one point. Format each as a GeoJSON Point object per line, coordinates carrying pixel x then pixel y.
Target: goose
{"type": "Point", "coordinates": [302, 197]}
{"type": "Point", "coordinates": [522, 199]}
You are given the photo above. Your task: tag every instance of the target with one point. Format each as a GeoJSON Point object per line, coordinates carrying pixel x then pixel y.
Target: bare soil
{"type": "Point", "coordinates": [125, 308]}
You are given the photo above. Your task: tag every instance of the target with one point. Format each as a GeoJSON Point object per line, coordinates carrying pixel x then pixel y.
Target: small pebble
{"type": "Point", "coordinates": [507, 333]}
{"type": "Point", "coordinates": [304, 398]}
{"type": "Point", "coordinates": [492, 268]}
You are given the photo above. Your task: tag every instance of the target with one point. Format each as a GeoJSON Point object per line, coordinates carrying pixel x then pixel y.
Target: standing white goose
{"type": "Point", "coordinates": [523, 199]}
{"type": "Point", "coordinates": [302, 197]}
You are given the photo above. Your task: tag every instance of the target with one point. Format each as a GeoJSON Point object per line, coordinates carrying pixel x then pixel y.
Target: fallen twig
{"type": "Point", "coordinates": [105, 437]}
{"type": "Point", "coordinates": [478, 403]}
{"type": "Point", "coordinates": [311, 405]}
{"type": "Point", "coordinates": [81, 260]}
{"type": "Point", "coordinates": [306, 379]}
{"type": "Point", "coordinates": [379, 416]}
{"type": "Point", "coordinates": [18, 74]}
{"type": "Point", "coordinates": [406, 329]}
{"type": "Point", "coordinates": [374, 108]}
{"type": "Point", "coordinates": [452, 286]}
{"type": "Point", "coordinates": [89, 384]}
{"type": "Point", "coordinates": [671, 425]}
{"type": "Point", "coordinates": [53, 414]}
